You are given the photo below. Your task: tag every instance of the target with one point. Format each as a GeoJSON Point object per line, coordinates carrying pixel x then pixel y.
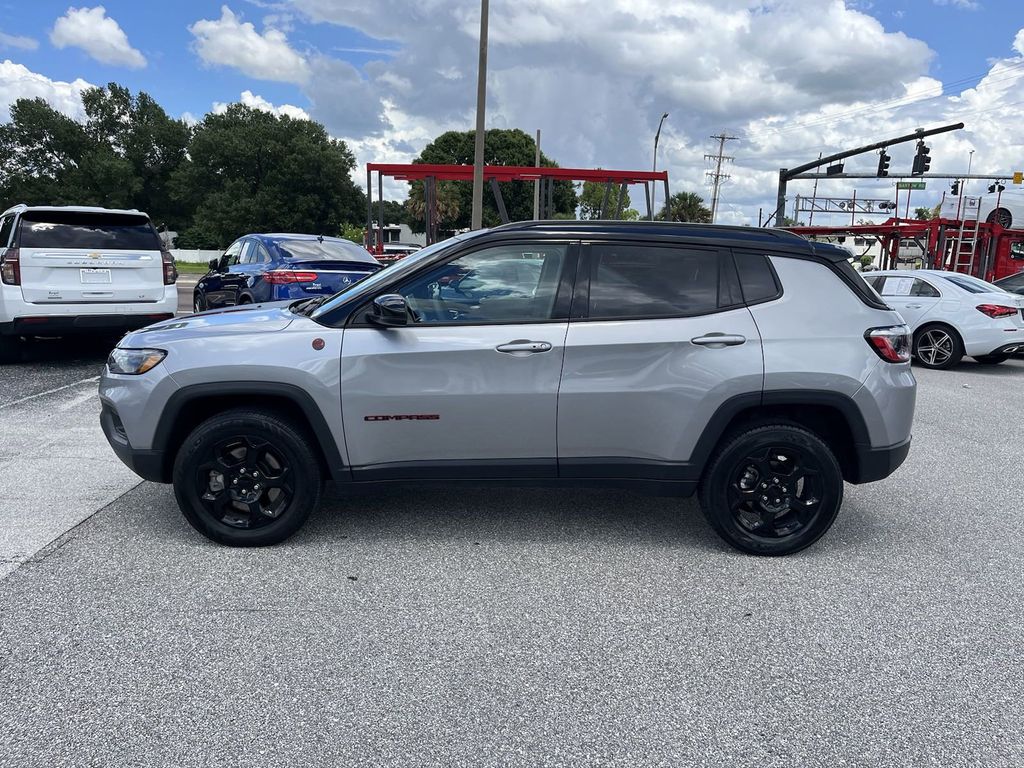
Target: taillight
{"type": "Point", "coordinates": [892, 344]}
{"type": "Point", "coordinates": [10, 267]}
{"type": "Point", "coordinates": [170, 270]}
{"type": "Point", "coordinates": [996, 310]}
{"type": "Point", "coordinates": [286, 276]}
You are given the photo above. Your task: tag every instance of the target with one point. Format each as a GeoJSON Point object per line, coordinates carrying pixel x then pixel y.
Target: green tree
{"type": "Point", "coordinates": [922, 214]}
{"type": "Point", "coordinates": [252, 171]}
{"type": "Point", "coordinates": [686, 206]}
{"type": "Point", "coordinates": [447, 206]}
{"type": "Point", "coordinates": [122, 156]}
{"type": "Point", "coordinates": [592, 197]}
{"type": "Point", "coordinates": [501, 147]}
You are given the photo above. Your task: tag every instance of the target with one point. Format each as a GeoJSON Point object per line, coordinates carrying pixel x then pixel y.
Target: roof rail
{"type": "Point", "coordinates": [647, 225]}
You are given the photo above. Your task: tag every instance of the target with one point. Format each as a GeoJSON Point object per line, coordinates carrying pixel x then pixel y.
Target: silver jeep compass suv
{"type": "Point", "coordinates": [749, 365]}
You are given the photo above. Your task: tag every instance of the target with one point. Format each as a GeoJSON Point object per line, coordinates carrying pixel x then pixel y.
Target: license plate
{"type": "Point", "coordinates": [95, 275]}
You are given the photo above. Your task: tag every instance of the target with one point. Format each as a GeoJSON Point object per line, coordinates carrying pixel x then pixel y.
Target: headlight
{"type": "Point", "coordinates": [134, 361]}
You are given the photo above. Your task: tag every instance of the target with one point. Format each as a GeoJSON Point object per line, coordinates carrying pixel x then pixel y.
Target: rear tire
{"type": "Point", "coordinates": [10, 349]}
{"type": "Point", "coordinates": [991, 359]}
{"type": "Point", "coordinates": [247, 478]}
{"type": "Point", "coordinates": [938, 347]}
{"type": "Point", "coordinates": [772, 490]}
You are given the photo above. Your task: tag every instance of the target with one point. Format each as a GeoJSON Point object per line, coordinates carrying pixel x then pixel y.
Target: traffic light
{"type": "Point", "coordinates": [954, 188]}
{"type": "Point", "coordinates": [883, 164]}
{"type": "Point", "coordinates": [996, 187]}
{"type": "Point", "coordinates": [922, 160]}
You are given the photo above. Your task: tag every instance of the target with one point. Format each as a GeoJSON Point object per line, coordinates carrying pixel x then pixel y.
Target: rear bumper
{"type": "Point", "coordinates": [147, 464]}
{"type": "Point", "coordinates": [1015, 348]}
{"type": "Point", "coordinates": [65, 325]}
{"type": "Point", "coordinates": [878, 463]}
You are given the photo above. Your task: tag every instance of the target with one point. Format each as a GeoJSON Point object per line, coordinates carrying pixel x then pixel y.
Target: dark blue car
{"type": "Point", "coordinates": [281, 267]}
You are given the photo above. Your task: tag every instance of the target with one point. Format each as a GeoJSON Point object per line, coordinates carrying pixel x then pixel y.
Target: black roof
{"type": "Point", "coordinates": [770, 237]}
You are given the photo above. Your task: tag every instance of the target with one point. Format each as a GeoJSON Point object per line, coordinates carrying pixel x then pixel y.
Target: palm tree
{"type": "Point", "coordinates": [686, 206]}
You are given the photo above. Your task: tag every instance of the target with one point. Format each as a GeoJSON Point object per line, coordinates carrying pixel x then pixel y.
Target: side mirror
{"type": "Point", "coordinates": [213, 264]}
{"type": "Point", "coordinates": [389, 310]}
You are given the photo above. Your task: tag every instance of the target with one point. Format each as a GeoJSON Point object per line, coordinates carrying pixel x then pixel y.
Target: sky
{"type": "Point", "coordinates": [789, 78]}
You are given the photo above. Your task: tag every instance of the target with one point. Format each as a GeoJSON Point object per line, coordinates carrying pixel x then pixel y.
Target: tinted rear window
{"type": "Point", "coordinates": [98, 231]}
{"type": "Point", "coordinates": [327, 250]}
{"type": "Point", "coordinates": [756, 276]}
{"type": "Point", "coordinates": [639, 281]}
{"type": "Point", "coordinates": [971, 284]}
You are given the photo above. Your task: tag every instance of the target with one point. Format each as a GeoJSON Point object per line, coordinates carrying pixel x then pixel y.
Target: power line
{"type": "Point", "coordinates": [716, 177]}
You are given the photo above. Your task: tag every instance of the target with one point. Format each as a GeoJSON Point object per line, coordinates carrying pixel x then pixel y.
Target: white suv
{"type": "Point", "coordinates": [74, 269]}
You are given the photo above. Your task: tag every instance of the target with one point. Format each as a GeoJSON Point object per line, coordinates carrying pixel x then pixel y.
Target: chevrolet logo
{"type": "Point", "coordinates": [95, 255]}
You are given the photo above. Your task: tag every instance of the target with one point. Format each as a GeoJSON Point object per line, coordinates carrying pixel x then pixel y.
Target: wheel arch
{"type": "Point", "coordinates": [191, 405]}
{"type": "Point", "coordinates": [832, 416]}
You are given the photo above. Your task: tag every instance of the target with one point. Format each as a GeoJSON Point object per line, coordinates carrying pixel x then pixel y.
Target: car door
{"type": "Point", "coordinates": [909, 295]}
{"type": "Point", "coordinates": [469, 387]}
{"type": "Point", "coordinates": [236, 277]}
{"type": "Point", "coordinates": [659, 339]}
{"type": "Point", "coordinates": [211, 285]}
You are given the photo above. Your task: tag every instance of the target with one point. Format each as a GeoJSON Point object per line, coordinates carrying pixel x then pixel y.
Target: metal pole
{"type": "Point", "coordinates": [654, 166]}
{"type": "Point", "coordinates": [853, 209]}
{"type": "Point", "coordinates": [814, 198]}
{"type": "Point", "coordinates": [780, 199]}
{"type": "Point", "coordinates": [906, 215]}
{"type": "Point", "coordinates": [380, 200]}
{"type": "Point", "coordinates": [481, 101]}
{"type": "Point", "coordinates": [369, 209]}
{"type": "Point", "coordinates": [536, 184]}
{"type": "Point", "coordinates": [647, 196]}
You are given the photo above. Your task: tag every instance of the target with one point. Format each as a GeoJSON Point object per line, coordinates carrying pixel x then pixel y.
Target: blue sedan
{"type": "Point", "coordinates": [281, 267]}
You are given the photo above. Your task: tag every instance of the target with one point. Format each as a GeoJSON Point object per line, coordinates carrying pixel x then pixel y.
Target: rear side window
{"type": "Point", "coordinates": [6, 225]}
{"type": "Point", "coordinates": [756, 276]}
{"type": "Point", "coordinates": [100, 231]}
{"type": "Point", "coordinates": [905, 286]}
{"type": "Point", "coordinates": [652, 281]}
{"type": "Point", "coordinates": [322, 250]}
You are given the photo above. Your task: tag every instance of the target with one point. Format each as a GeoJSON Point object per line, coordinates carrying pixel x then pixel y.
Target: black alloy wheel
{"type": "Point", "coordinates": [247, 478]}
{"type": "Point", "coordinates": [772, 490]}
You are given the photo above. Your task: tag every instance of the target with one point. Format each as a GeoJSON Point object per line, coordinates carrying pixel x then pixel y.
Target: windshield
{"type": "Point", "coordinates": [86, 229]}
{"type": "Point", "coordinates": [973, 284]}
{"type": "Point", "coordinates": [322, 250]}
{"type": "Point", "coordinates": [408, 264]}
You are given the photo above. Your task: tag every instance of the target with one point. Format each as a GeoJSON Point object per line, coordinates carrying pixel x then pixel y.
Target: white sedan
{"type": "Point", "coordinates": [952, 315]}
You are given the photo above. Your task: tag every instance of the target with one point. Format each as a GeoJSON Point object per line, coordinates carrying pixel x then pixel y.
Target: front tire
{"type": "Point", "coordinates": [199, 303]}
{"type": "Point", "coordinates": [247, 478]}
{"type": "Point", "coordinates": [772, 490]}
{"type": "Point", "coordinates": [938, 347]}
{"type": "Point", "coordinates": [991, 359]}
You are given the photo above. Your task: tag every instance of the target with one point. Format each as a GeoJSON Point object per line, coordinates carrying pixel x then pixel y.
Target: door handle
{"type": "Point", "coordinates": [524, 346]}
{"type": "Point", "coordinates": [719, 340]}
{"type": "Point", "coordinates": [913, 306]}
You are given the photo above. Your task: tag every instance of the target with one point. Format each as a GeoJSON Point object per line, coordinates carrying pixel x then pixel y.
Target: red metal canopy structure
{"type": "Point", "coordinates": [983, 249]}
{"type": "Point", "coordinates": [431, 174]}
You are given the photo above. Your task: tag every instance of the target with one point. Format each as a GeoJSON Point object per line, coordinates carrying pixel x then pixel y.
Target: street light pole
{"type": "Point", "coordinates": [654, 167]}
{"type": "Point", "coordinates": [481, 102]}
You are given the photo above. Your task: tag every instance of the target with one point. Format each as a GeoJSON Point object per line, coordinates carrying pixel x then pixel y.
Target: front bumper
{"type": "Point", "coordinates": [147, 464]}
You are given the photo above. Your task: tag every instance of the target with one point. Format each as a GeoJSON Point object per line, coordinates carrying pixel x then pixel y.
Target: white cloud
{"type": "Point", "coordinates": [98, 35]}
{"type": "Point", "coordinates": [231, 42]}
{"type": "Point", "coordinates": [18, 41]}
{"type": "Point", "coordinates": [967, 5]}
{"type": "Point", "coordinates": [18, 82]}
{"type": "Point", "coordinates": [250, 99]}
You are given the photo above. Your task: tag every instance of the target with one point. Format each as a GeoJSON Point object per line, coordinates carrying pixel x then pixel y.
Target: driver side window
{"type": "Point", "coordinates": [502, 284]}
{"type": "Point", "coordinates": [230, 257]}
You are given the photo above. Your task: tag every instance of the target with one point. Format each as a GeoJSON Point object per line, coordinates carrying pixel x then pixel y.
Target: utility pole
{"type": "Point", "coordinates": [536, 184]}
{"type": "Point", "coordinates": [654, 166]}
{"type": "Point", "coordinates": [477, 219]}
{"type": "Point", "coordinates": [716, 177]}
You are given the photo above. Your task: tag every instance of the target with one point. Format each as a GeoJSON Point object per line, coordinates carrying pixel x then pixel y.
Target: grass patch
{"type": "Point", "coordinates": [189, 268]}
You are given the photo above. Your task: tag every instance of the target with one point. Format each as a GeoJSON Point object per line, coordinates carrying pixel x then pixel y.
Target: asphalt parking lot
{"type": "Point", "coordinates": [518, 627]}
